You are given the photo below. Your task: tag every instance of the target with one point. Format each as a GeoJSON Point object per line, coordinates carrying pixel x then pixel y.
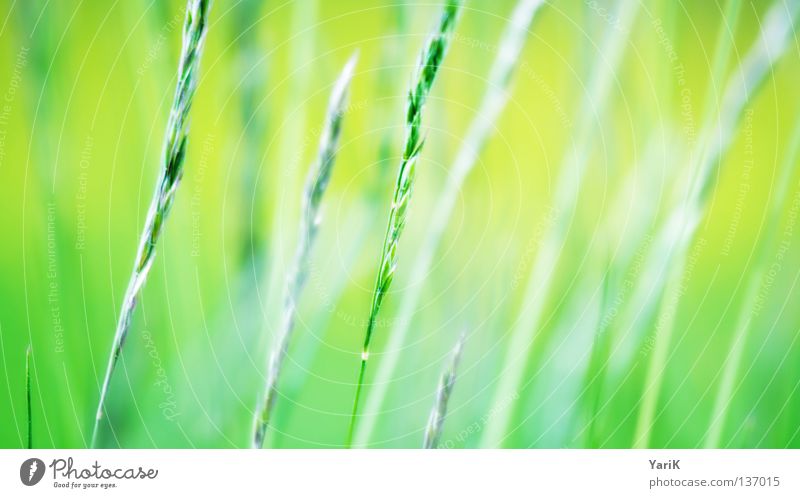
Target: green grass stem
{"type": "Point", "coordinates": [540, 279]}
{"type": "Point", "coordinates": [28, 395]}
{"type": "Point", "coordinates": [433, 431]}
{"type": "Point", "coordinates": [748, 311]}
{"type": "Point", "coordinates": [741, 89]}
{"type": "Point", "coordinates": [480, 129]}
{"type": "Point", "coordinates": [174, 155]}
{"type": "Point", "coordinates": [427, 68]}
{"type": "Point", "coordinates": [311, 214]}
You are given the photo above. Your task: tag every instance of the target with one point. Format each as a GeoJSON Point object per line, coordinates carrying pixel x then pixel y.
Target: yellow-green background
{"type": "Point", "coordinates": [92, 81]}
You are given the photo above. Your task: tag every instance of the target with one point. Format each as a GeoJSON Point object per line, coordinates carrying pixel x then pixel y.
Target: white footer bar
{"type": "Point", "coordinates": [382, 473]}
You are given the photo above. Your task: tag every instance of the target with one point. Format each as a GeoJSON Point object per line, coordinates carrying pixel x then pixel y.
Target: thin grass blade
{"type": "Point", "coordinates": [756, 289]}
{"type": "Point", "coordinates": [494, 101]}
{"type": "Point", "coordinates": [28, 395]}
{"type": "Point", "coordinates": [174, 155]}
{"type": "Point", "coordinates": [570, 179]}
{"type": "Point", "coordinates": [743, 86]}
{"type": "Point", "coordinates": [316, 184]}
{"type": "Point", "coordinates": [433, 432]}
{"type": "Point", "coordinates": [428, 66]}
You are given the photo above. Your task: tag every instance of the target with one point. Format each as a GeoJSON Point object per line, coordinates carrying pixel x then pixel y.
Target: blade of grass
{"type": "Point", "coordinates": [644, 217]}
{"type": "Point", "coordinates": [599, 352]}
{"type": "Point", "coordinates": [253, 116]}
{"type": "Point", "coordinates": [427, 67]}
{"type": "Point", "coordinates": [28, 395]}
{"type": "Point", "coordinates": [555, 383]}
{"type": "Point", "coordinates": [433, 432]}
{"type": "Point", "coordinates": [316, 184]}
{"type": "Point", "coordinates": [391, 56]}
{"type": "Point", "coordinates": [742, 87]}
{"type": "Point", "coordinates": [493, 103]}
{"type": "Point", "coordinates": [573, 167]}
{"type": "Point", "coordinates": [174, 154]}
{"type": "Point", "coordinates": [748, 311]}
{"type": "Point", "coordinates": [622, 242]}
{"type": "Point", "coordinates": [291, 149]}
{"type": "Point", "coordinates": [369, 203]}
{"type": "Point", "coordinates": [722, 54]}
{"type": "Point", "coordinates": [651, 282]}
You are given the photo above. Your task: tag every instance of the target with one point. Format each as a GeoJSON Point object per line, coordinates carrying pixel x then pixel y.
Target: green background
{"type": "Point", "coordinates": [87, 87]}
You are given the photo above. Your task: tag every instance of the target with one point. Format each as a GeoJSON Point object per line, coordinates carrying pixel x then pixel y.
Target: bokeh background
{"type": "Point", "coordinates": [86, 89]}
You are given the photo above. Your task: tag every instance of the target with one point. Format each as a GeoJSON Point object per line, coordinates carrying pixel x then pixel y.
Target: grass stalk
{"type": "Point", "coordinates": [316, 184]}
{"type": "Point", "coordinates": [493, 103]}
{"type": "Point", "coordinates": [28, 395]}
{"type": "Point", "coordinates": [387, 84]}
{"type": "Point", "coordinates": [572, 171]}
{"type": "Point", "coordinates": [651, 283]}
{"type": "Point", "coordinates": [372, 200]}
{"type": "Point", "coordinates": [433, 432]}
{"type": "Point", "coordinates": [253, 117]}
{"type": "Point", "coordinates": [748, 311]}
{"type": "Point", "coordinates": [651, 272]}
{"type": "Point", "coordinates": [722, 54]}
{"type": "Point", "coordinates": [621, 249]}
{"type": "Point", "coordinates": [742, 87]}
{"type": "Point", "coordinates": [290, 152]}
{"type": "Point", "coordinates": [427, 68]}
{"type": "Point", "coordinates": [597, 355]}
{"type": "Point", "coordinates": [174, 154]}
{"type": "Point", "coordinates": [597, 371]}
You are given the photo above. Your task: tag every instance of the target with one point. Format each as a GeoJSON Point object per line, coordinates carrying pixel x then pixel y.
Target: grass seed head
{"type": "Point", "coordinates": [428, 65]}
{"type": "Point", "coordinates": [433, 432]}
{"type": "Point", "coordinates": [316, 184]}
{"type": "Point", "coordinates": [174, 155]}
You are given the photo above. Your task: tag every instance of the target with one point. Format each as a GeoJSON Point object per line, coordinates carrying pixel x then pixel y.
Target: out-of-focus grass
{"type": "Point", "coordinates": [84, 95]}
